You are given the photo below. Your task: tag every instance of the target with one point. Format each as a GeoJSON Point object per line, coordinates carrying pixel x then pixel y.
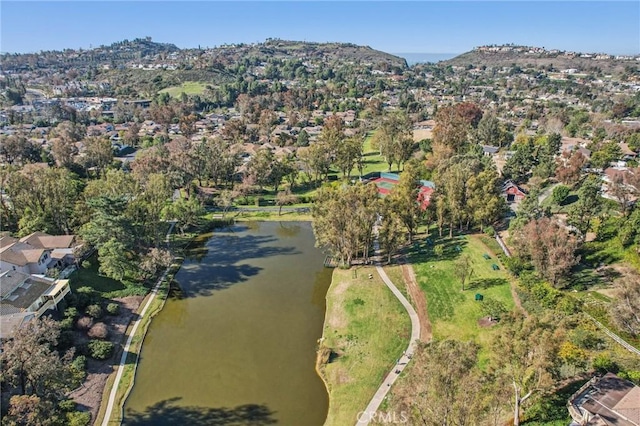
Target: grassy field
{"type": "Point", "coordinates": [90, 277]}
{"type": "Point", "coordinates": [608, 249]}
{"type": "Point", "coordinates": [374, 162]}
{"type": "Point", "coordinates": [188, 87]}
{"type": "Point", "coordinates": [367, 329]}
{"type": "Point", "coordinates": [454, 313]}
{"type": "Point", "coordinates": [272, 216]}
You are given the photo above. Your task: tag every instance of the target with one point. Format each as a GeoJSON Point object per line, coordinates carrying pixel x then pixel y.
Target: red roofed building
{"type": "Point", "coordinates": [512, 192]}
{"type": "Point", "coordinates": [387, 181]}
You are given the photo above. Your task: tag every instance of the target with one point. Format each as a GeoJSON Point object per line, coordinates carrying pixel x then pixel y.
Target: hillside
{"type": "Point", "coordinates": [117, 53]}
{"type": "Point", "coordinates": [506, 56]}
{"type": "Point", "coordinates": [333, 51]}
{"type": "Point", "coordinates": [145, 52]}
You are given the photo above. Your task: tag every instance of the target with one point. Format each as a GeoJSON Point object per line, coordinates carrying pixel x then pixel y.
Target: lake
{"type": "Point", "coordinates": [238, 342]}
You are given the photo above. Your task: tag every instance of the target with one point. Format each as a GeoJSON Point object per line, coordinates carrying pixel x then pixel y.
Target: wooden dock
{"type": "Point", "coordinates": [330, 262]}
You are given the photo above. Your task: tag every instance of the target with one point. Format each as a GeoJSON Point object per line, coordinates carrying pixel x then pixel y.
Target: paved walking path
{"type": "Point", "coordinates": [369, 412]}
{"type": "Point", "coordinates": [125, 352]}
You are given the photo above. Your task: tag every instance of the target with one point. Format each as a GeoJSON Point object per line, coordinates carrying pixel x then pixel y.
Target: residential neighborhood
{"type": "Point", "coordinates": [321, 233]}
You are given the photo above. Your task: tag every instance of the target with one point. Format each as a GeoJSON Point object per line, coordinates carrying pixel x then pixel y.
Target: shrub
{"type": "Point", "coordinates": [113, 309]}
{"type": "Point", "coordinates": [136, 290]}
{"type": "Point", "coordinates": [71, 312]}
{"type": "Point", "coordinates": [86, 296]}
{"type": "Point", "coordinates": [94, 311]}
{"type": "Point", "coordinates": [98, 331]}
{"type": "Point", "coordinates": [79, 363]}
{"type": "Point", "coordinates": [585, 339]}
{"type": "Point", "coordinates": [99, 349]}
{"type": "Point", "coordinates": [515, 265]}
{"type": "Point", "coordinates": [66, 324]}
{"type": "Point", "coordinates": [490, 231]}
{"type": "Point", "coordinates": [568, 305]}
{"type": "Point", "coordinates": [86, 264]}
{"type": "Point", "coordinates": [78, 370]}
{"type": "Point", "coordinates": [67, 405]}
{"type": "Point", "coordinates": [604, 364]}
{"type": "Point", "coordinates": [78, 418]}
{"type": "Point", "coordinates": [493, 308]}
{"type": "Point", "coordinates": [631, 375]}
{"type": "Point", "coordinates": [84, 323]}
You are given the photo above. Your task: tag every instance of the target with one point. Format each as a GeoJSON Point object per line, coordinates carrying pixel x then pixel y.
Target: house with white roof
{"type": "Point", "coordinates": [24, 297]}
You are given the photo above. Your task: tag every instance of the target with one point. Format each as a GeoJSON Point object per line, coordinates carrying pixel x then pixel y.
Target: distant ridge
{"type": "Point", "coordinates": [143, 51]}
{"type": "Point", "coordinates": [421, 58]}
{"type": "Point", "coordinates": [539, 57]}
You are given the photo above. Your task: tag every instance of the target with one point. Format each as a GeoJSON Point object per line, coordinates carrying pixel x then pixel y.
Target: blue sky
{"type": "Point", "coordinates": [391, 26]}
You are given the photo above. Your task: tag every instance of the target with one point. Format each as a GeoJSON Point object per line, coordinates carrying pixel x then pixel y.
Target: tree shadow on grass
{"type": "Point", "coordinates": [597, 253]}
{"type": "Point", "coordinates": [224, 260]}
{"type": "Point", "coordinates": [486, 283]}
{"type": "Point", "coordinates": [423, 250]}
{"type": "Point", "coordinates": [583, 277]}
{"type": "Point", "coordinates": [167, 413]}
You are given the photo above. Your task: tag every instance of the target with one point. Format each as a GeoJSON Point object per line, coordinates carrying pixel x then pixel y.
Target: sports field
{"type": "Point", "coordinates": [385, 185]}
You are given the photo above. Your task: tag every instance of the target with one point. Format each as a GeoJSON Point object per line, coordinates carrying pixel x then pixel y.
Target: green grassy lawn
{"type": "Point", "coordinates": [367, 329]}
{"type": "Point", "coordinates": [564, 207]}
{"type": "Point", "coordinates": [90, 277]}
{"type": "Point", "coordinates": [607, 248]}
{"type": "Point", "coordinates": [454, 313]}
{"type": "Point", "coordinates": [188, 87]}
{"type": "Point", "coordinates": [394, 272]}
{"type": "Point", "coordinates": [374, 162]}
{"type": "Point", "coordinates": [272, 216]}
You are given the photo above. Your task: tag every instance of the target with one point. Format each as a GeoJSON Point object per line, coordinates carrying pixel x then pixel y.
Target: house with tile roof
{"type": "Point", "coordinates": [606, 401]}
{"type": "Point", "coordinates": [36, 253]}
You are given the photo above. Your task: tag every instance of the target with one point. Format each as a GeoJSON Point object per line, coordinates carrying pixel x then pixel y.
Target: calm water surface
{"type": "Point", "coordinates": [239, 344]}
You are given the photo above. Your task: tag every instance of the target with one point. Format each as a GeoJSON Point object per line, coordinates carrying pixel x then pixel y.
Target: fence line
{"type": "Point", "coordinates": [614, 336]}
{"type": "Point", "coordinates": [503, 246]}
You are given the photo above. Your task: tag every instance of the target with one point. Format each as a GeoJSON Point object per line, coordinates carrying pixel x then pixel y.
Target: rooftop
{"type": "Point", "coordinates": [611, 400]}
{"type": "Point", "coordinates": [23, 295]}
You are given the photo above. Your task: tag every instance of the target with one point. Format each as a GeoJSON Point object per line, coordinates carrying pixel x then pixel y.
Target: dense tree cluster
{"type": "Point", "coordinates": [41, 376]}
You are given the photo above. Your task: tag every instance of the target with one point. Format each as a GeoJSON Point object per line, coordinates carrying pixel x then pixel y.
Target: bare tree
{"type": "Point", "coordinates": [550, 248]}
{"type": "Point", "coordinates": [625, 310]}
{"type": "Point", "coordinates": [285, 198]}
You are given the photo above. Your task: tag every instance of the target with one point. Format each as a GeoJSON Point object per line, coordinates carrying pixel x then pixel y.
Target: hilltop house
{"type": "Point", "coordinates": [24, 297]}
{"type": "Point", "coordinates": [36, 253]}
{"type": "Point", "coordinates": [606, 401]}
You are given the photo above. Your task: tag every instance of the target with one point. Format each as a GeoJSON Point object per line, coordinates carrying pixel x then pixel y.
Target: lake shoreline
{"type": "Point", "coordinates": [221, 281]}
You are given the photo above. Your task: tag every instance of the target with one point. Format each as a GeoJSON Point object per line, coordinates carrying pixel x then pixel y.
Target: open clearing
{"type": "Point", "coordinates": [420, 134]}
{"type": "Point", "coordinates": [455, 313]}
{"type": "Point", "coordinates": [373, 161]}
{"type": "Point", "coordinates": [188, 87]}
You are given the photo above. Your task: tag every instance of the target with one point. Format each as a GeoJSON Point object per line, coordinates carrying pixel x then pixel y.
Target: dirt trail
{"type": "Point", "coordinates": [419, 301]}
